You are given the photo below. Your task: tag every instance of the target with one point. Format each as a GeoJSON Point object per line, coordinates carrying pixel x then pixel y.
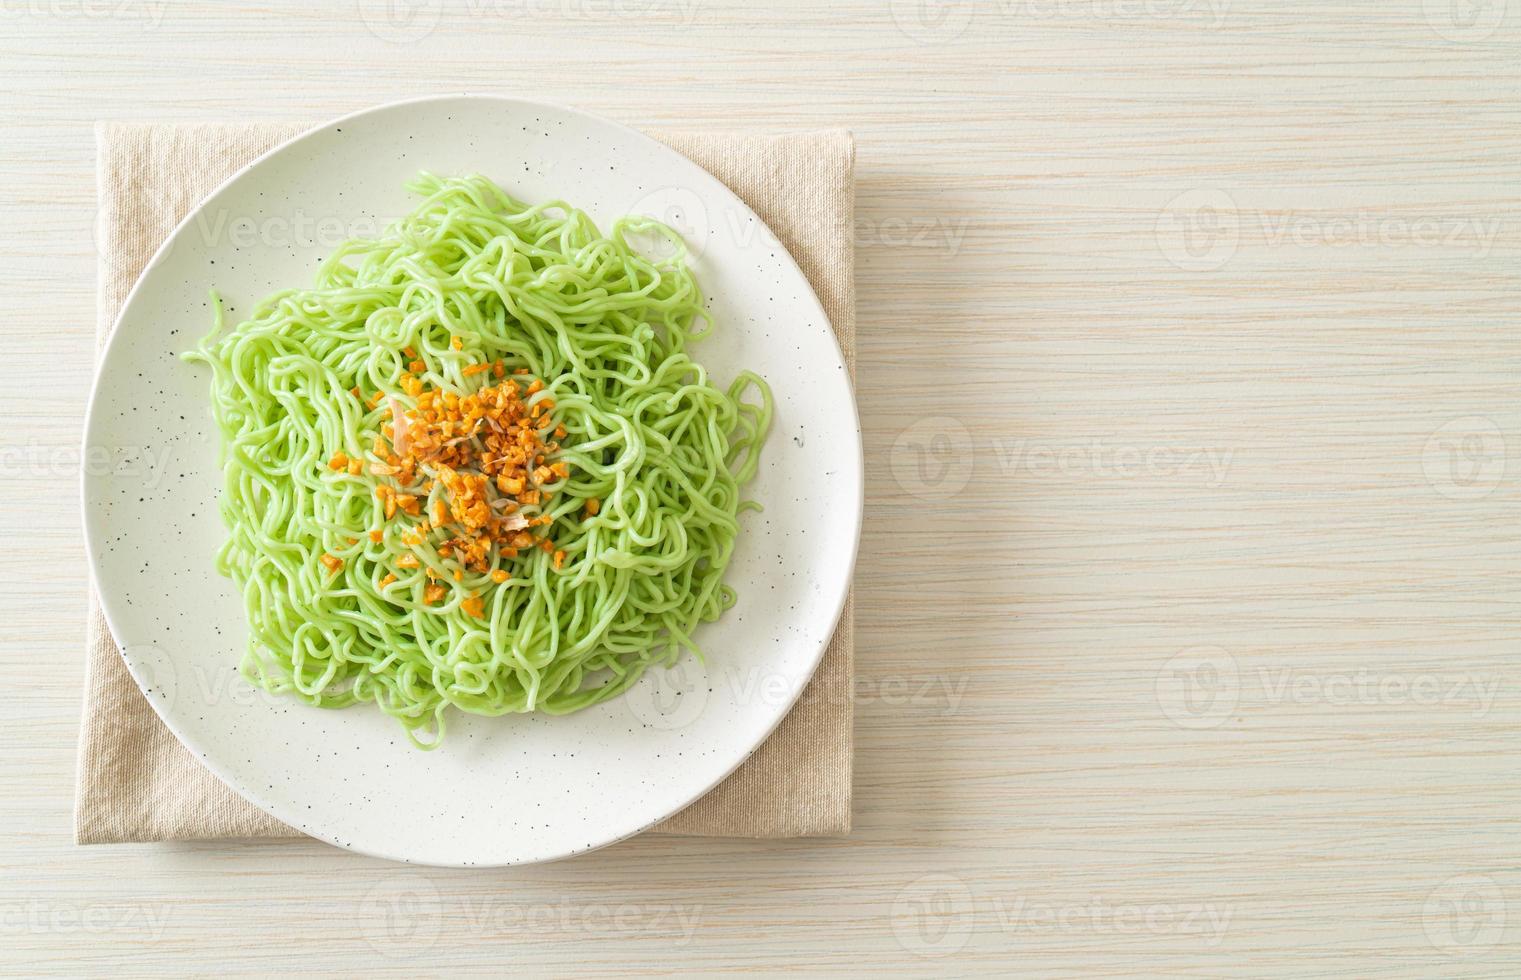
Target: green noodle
{"type": "Point", "coordinates": [606, 327]}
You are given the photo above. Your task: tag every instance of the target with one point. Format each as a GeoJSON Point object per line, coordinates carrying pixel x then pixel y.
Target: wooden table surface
{"type": "Point", "coordinates": [1189, 635]}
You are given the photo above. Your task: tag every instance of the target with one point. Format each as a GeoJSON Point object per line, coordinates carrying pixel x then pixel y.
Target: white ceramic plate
{"type": "Point", "coordinates": [501, 790]}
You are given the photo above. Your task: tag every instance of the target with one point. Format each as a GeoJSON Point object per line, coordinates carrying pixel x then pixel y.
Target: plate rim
{"type": "Point", "coordinates": [92, 552]}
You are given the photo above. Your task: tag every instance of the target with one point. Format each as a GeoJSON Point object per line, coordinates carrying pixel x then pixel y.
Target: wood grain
{"type": "Point", "coordinates": [1188, 598]}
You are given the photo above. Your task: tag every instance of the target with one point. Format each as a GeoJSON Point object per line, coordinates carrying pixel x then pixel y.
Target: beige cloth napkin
{"type": "Point", "coordinates": [137, 783]}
